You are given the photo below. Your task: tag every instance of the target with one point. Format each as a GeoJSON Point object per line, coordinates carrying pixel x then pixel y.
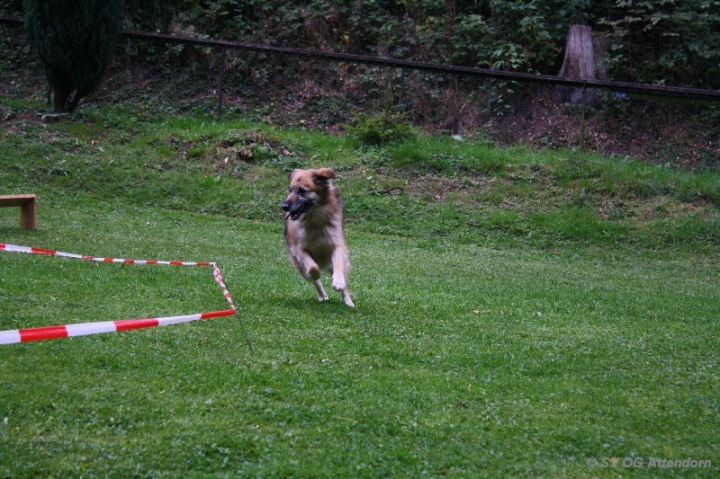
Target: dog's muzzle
{"type": "Point", "coordinates": [295, 211]}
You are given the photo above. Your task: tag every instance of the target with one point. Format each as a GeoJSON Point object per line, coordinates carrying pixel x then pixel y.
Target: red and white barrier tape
{"type": "Point", "coordinates": [70, 330]}
{"type": "Point", "coordinates": [84, 329]}
{"type": "Point", "coordinates": [50, 252]}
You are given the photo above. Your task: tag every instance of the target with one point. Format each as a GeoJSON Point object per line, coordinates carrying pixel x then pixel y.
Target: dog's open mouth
{"type": "Point", "coordinates": [297, 213]}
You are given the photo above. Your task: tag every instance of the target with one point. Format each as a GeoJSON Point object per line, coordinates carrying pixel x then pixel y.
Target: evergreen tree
{"type": "Point", "coordinates": [75, 40]}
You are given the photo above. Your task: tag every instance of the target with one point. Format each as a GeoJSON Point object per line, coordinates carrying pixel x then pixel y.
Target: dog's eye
{"type": "Point", "coordinates": [301, 190]}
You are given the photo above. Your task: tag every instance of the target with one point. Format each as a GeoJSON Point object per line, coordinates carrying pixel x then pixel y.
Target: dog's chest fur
{"type": "Point", "coordinates": [318, 236]}
{"type": "Point", "coordinates": [318, 231]}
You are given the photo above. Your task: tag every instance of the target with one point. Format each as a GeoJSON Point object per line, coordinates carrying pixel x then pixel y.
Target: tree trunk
{"type": "Point", "coordinates": [601, 45]}
{"type": "Point", "coordinates": [65, 97]}
{"type": "Point", "coordinates": [579, 63]}
{"type": "Point", "coordinates": [579, 59]}
{"type": "Point", "coordinates": [61, 95]}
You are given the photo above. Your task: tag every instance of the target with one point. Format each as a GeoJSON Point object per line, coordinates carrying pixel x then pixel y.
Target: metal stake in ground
{"type": "Point", "coordinates": [242, 326]}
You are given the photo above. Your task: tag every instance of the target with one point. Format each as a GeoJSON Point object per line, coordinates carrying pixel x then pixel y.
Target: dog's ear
{"type": "Point", "coordinates": [325, 174]}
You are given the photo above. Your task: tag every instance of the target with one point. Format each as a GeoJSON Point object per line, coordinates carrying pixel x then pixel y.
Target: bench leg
{"type": "Point", "coordinates": [28, 215]}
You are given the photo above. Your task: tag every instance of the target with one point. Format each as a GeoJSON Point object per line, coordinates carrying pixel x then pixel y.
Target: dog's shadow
{"type": "Point", "coordinates": [312, 306]}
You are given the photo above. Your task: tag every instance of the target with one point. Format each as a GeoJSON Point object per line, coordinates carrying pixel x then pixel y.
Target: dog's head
{"type": "Point", "coordinates": [307, 188]}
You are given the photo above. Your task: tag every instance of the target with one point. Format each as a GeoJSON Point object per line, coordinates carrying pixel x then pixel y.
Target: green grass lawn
{"type": "Point", "coordinates": [519, 314]}
{"type": "Point", "coordinates": [458, 361]}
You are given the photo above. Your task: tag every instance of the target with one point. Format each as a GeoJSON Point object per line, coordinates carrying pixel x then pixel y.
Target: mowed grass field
{"type": "Point", "coordinates": [458, 361]}
{"type": "Point", "coordinates": [507, 349]}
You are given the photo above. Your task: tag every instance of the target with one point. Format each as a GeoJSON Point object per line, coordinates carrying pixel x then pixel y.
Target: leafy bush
{"type": "Point", "coordinates": [381, 128]}
{"type": "Point", "coordinates": [666, 42]}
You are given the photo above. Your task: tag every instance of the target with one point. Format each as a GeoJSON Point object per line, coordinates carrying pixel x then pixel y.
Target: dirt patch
{"type": "Point", "coordinates": [651, 130]}
{"type": "Point", "coordinates": [438, 186]}
{"type": "Point", "coordinates": [652, 209]}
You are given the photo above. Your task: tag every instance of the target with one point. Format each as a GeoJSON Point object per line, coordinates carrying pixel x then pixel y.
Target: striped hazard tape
{"type": "Point", "coordinates": [83, 329]}
{"type": "Point", "coordinates": [50, 252]}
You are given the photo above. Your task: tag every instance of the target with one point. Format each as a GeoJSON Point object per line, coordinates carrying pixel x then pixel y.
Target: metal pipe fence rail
{"type": "Point", "coordinates": [625, 87]}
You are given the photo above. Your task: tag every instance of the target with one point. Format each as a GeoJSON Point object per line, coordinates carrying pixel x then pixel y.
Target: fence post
{"type": "Point", "coordinates": [582, 121]}
{"type": "Point", "coordinates": [220, 85]}
{"type": "Point", "coordinates": [128, 50]}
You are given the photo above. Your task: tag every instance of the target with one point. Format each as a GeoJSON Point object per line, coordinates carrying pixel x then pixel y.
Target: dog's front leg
{"type": "Point", "coordinates": [340, 274]}
{"type": "Point", "coordinates": [312, 274]}
{"type": "Point", "coordinates": [309, 270]}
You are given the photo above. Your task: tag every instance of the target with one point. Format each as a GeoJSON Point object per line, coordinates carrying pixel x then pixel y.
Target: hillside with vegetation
{"type": "Point", "coordinates": [666, 43]}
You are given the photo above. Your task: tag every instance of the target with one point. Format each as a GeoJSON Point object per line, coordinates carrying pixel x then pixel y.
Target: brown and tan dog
{"type": "Point", "coordinates": [314, 232]}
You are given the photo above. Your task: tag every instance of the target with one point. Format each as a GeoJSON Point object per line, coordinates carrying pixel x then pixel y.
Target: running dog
{"type": "Point", "coordinates": [314, 232]}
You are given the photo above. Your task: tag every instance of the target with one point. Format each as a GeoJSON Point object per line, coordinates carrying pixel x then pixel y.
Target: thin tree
{"type": "Point", "coordinates": [75, 40]}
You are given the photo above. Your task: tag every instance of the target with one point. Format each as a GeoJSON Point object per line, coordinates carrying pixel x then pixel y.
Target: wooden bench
{"type": "Point", "coordinates": [28, 208]}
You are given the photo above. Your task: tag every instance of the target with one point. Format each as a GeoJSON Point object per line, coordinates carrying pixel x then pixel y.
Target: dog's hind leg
{"type": "Point", "coordinates": [322, 295]}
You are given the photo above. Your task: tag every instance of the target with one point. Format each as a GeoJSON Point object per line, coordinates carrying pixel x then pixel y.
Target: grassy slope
{"type": "Point", "coordinates": [521, 360]}
{"type": "Point", "coordinates": [439, 189]}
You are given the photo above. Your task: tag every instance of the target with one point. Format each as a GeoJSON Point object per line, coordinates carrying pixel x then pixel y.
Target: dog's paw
{"type": "Point", "coordinates": [339, 283]}
{"type": "Point", "coordinates": [323, 298]}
